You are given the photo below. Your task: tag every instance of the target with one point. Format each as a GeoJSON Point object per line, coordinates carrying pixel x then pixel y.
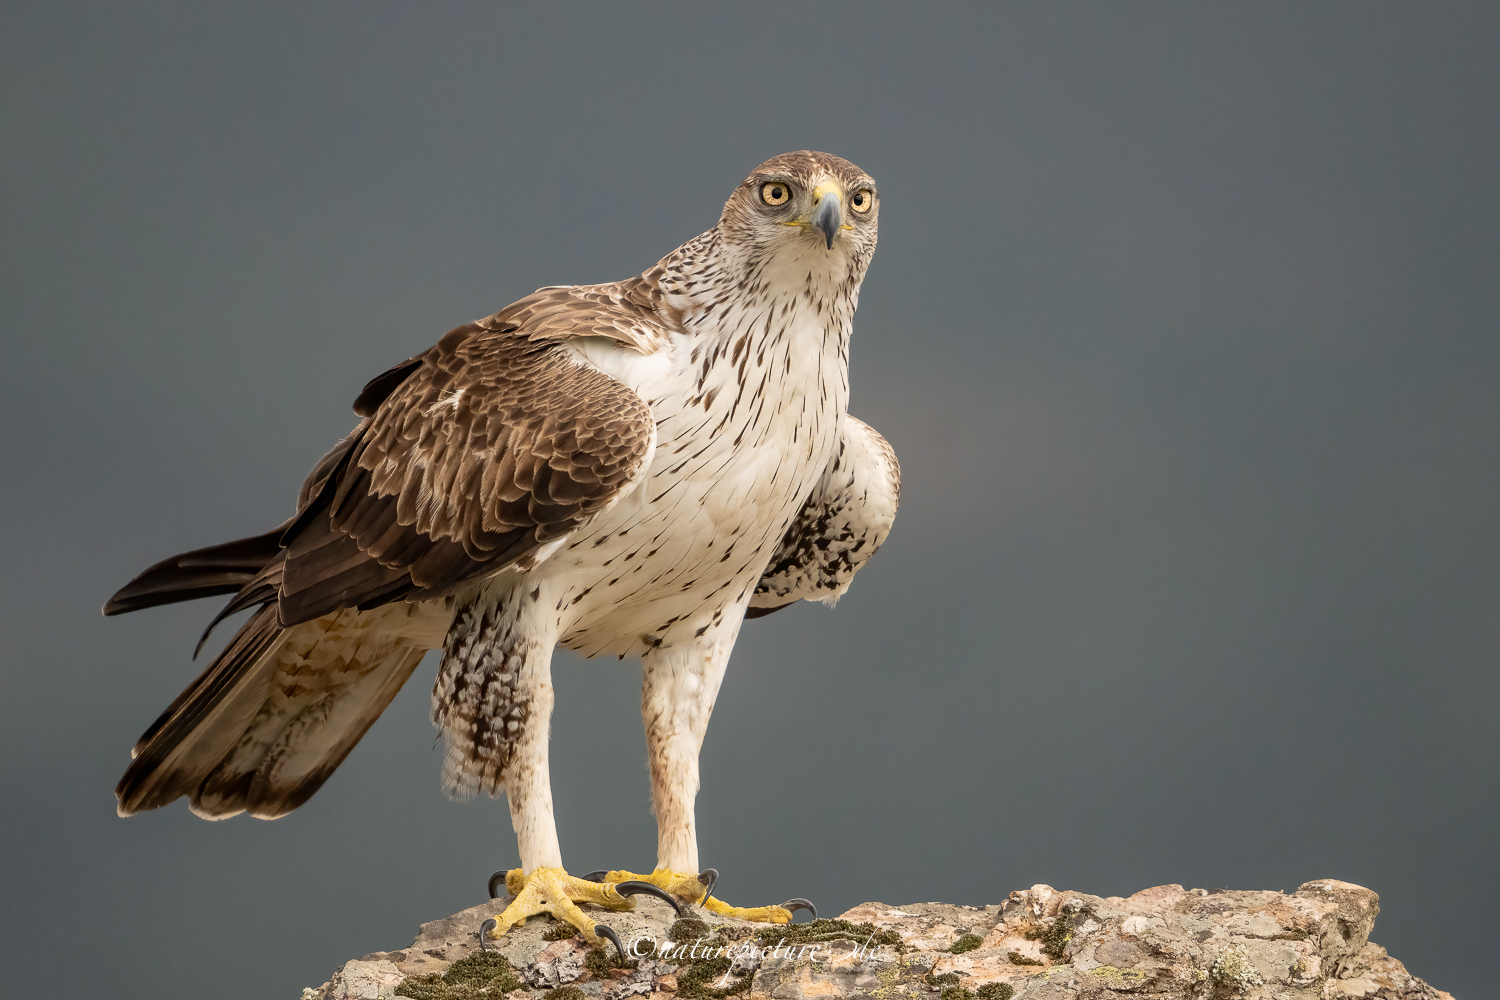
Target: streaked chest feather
{"type": "Point", "coordinates": [748, 413]}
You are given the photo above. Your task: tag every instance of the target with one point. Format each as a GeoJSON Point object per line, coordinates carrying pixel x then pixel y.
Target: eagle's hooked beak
{"type": "Point", "coordinates": [827, 215]}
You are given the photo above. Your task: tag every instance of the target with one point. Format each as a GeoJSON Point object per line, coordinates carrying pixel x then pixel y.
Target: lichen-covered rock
{"type": "Point", "coordinates": [360, 979]}
{"type": "Point", "coordinates": [1039, 944]}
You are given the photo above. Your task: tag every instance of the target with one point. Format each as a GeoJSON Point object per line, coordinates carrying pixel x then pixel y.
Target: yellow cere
{"type": "Point", "coordinates": [825, 187]}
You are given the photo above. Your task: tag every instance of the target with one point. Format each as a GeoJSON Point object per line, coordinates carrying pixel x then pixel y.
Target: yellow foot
{"type": "Point", "coordinates": [696, 889]}
{"type": "Point", "coordinates": [554, 891]}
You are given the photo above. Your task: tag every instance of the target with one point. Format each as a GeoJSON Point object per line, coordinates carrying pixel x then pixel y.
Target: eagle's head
{"type": "Point", "coordinates": [805, 207]}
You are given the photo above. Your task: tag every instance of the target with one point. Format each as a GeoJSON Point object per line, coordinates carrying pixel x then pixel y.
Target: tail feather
{"type": "Point", "coordinates": [189, 739]}
{"type": "Point", "coordinates": [272, 717]}
{"type": "Point", "coordinates": [286, 756]}
{"type": "Point", "coordinates": [297, 687]}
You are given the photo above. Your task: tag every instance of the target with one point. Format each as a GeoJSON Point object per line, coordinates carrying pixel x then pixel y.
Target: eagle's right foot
{"type": "Point", "coordinates": [554, 891]}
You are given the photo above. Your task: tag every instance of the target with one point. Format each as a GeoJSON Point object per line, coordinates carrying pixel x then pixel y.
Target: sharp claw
{"type": "Point", "coordinates": [597, 876]}
{"type": "Point", "coordinates": [798, 903]}
{"type": "Point", "coordinates": [708, 876]}
{"type": "Point", "coordinates": [484, 928]}
{"type": "Point", "coordinates": [605, 931]}
{"type": "Point", "coordinates": [637, 888]}
{"type": "Point", "coordinates": [497, 880]}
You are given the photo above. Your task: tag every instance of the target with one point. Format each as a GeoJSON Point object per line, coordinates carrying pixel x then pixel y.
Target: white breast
{"type": "Point", "coordinates": [747, 416]}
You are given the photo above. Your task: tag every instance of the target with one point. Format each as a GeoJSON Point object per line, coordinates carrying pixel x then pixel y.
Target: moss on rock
{"type": "Point", "coordinates": [1054, 937]}
{"type": "Point", "coordinates": [966, 943]}
{"type": "Point", "coordinates": [482, 974]}
{"type": "Point", "coordinates": [824, 930]}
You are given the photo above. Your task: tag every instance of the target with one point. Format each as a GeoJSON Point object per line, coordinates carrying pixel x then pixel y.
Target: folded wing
{"type": "Point", "coordinates": [842, 524]}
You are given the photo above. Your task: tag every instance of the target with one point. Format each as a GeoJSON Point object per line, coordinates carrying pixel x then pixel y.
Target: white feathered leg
{"type": "Point", "coordinates": [678, 690]}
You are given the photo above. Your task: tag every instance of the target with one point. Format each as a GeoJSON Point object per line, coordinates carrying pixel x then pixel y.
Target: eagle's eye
{"type": "Point", "coordinates": [775, 193]}
{"type": "Point", "coordinates": [862, 201]}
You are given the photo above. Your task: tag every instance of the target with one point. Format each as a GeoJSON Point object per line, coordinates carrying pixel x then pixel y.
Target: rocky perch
{"type": "Point", "coordinates": [1040, 944]}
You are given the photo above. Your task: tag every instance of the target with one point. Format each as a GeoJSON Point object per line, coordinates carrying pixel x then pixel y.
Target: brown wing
{"type": "Point", "coordinates": [471, 456]}
{"type": "Point", "coordinates": [490, 445]}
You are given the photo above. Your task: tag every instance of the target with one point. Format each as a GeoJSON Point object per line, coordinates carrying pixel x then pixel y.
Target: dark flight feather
{"type": "Point", "coordinates": [218, 569]}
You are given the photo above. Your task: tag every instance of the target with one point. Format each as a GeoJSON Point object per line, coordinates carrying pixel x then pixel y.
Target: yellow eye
{"type": "Point", "coordinates": [862, 201]}
{"type": "Point", "coordinates": [775, 193]}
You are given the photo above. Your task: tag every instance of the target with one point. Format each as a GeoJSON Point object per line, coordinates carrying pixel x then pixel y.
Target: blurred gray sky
{"type": "Point", "coordinates": [1183, 325]}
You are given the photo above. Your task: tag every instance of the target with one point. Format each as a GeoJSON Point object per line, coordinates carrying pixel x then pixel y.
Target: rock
{"type": "Point", "coordinates": [361, 979]}
{"type": "Point", "coordinates": [1039, 944]}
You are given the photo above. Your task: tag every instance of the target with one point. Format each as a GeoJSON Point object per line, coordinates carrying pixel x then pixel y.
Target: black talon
{"type": "Point", "coordinates": [484, 931]}
{"type": "Point", "coordinates": [708, 876]}
{"type": "Point", "coordinates": [604, 930]}
{"type": "Point", "coordinates": [798, 903]}
{"type": "Point", "coordinates": [497, 880]}
{"type": "Point", "coordinates": [597, 876]}
{"type": "Point", "coordinates": [637, 888]}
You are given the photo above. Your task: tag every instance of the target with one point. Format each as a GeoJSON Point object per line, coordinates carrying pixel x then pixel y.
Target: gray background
{"type": "Point", "coordinates": [1183, 325]}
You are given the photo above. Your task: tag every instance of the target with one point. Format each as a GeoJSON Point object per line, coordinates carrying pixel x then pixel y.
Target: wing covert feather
{"type": "Point", "coordinates": [496, 441]}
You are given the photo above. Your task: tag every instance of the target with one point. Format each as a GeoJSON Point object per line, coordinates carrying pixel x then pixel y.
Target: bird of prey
{"type": "Point", "coordinates": [630, 468]}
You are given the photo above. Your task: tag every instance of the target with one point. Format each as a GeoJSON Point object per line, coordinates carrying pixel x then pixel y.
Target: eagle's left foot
{"type": "Point", "coordinates": [554, 891]}
{"type": "Point", "coordinates": [697, 889]}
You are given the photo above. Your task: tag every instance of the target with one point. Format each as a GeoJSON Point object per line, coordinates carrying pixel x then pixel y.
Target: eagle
{"type": "Point", "coordinates": [632, 468]}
